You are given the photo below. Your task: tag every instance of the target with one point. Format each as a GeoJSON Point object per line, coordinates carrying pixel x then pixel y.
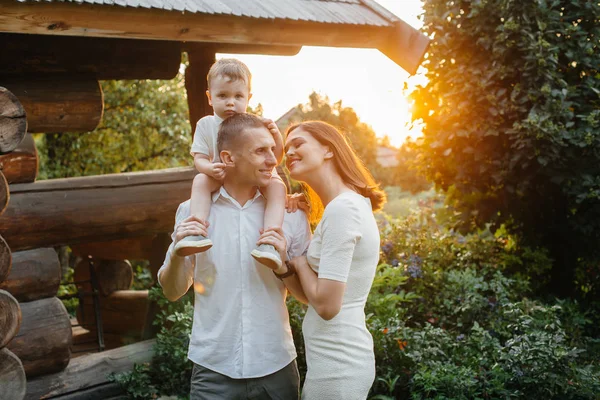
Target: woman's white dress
{"type": "Point", "coordinates": [339, 352]}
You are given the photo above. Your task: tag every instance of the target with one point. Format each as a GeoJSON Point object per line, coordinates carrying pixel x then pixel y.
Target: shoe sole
{"type": "Point", "coordinates": [266, 259]}
{"type": "Point", "coordinates": [184, 249]}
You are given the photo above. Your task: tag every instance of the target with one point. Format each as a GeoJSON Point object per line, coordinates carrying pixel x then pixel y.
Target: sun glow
{"type": "Point", "coordinates": [363, 79]}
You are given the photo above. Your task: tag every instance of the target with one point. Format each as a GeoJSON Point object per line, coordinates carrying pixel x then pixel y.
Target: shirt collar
{"type": "Point", "coordinates": [223, 193]}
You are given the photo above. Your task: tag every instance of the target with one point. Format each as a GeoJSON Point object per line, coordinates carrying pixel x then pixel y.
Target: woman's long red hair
{"type": "Point", "coordinates": [348, 165]}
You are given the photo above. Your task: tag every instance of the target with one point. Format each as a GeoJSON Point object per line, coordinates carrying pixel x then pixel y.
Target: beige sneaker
{"type": "Point", "coordinates": [191, 245]}
{"type": "Point", "coordinates": [267, 256]}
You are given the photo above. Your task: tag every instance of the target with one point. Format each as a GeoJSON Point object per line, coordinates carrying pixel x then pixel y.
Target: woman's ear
{"type": "Point", "coordinates": [328, 153]}
{"type": "Point", "coordinates": [227, 158]}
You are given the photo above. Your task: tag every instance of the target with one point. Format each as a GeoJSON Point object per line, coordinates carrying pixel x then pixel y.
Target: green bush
{"type": "Point", "coordinates": [450, 318]}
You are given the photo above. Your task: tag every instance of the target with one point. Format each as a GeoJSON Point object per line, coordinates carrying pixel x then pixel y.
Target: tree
{"type": "Point", "coordinates": [145, 126]}
{"type": "Point", "coordinates": [360, 135]}
{"type": "Point", "coordinates": [512, 117]}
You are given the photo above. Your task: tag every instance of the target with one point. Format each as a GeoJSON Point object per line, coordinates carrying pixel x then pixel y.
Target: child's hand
{"type": "Point", "coordinates": [217, 171]}
{"type": "Point", "coordinates": [297, 201]}
{"type": "Point", "coordinates": [272, 127]}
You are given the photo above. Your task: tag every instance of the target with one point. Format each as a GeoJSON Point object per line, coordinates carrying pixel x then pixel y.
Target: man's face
{"type": "Point", "coordinates": [228, 97]}
{"type": "Point", "coordinates": [253, 157]}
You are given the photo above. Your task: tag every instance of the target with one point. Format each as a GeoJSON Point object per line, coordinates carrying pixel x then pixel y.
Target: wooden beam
{"type": "Point", "coordinates": [22, 164]}
{"type": "Point", "coordinates": [108, 21]}
{"type": "Point", "coordinates": [10, 317]}
{"type": "Point", "coordinates": [58, 103]}
{"type": "Point", "coordinates": [12, 376]}
{"type": "Point", "coordinates": [13, 122]}
{"type": "Point", "coordinates": [236, 48]}
{"type": "Point", "coordinates": [43, 343]}
{"type": "Point", "coordinates": [94, 208]}
{"type": "Point", "coordinates": [135, 248]}
{"type": "Point", "coordinates": [90, 371]}
{"type": "Point", "coordinates": [105, 59]}
{"type": "Point", "coordinates": [35, 274]}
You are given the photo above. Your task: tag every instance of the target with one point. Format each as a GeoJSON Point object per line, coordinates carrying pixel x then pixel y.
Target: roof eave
{"type": "Point", "coordinates": [401, 43]}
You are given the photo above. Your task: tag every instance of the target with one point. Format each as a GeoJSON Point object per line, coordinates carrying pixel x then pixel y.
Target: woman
{"type": "Point", "coordinates": [336, 274]}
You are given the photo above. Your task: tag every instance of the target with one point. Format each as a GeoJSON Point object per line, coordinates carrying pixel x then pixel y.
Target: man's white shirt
{"type": "Point", "coordinates": [241, 325]}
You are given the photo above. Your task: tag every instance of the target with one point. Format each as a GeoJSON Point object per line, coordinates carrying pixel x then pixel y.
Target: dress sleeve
{"type": "Point", "coordinates": [340, 232]}
{"type": "Point", "coordinates": [183, 211]}
{"type": "Point", "coordinates": [202, 138]}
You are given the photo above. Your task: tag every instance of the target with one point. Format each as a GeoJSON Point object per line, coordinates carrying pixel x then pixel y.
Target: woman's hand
{"type": "Point", "coordinates": [276, 238]}
{"type": "Point", "coordinates": [191, 226]}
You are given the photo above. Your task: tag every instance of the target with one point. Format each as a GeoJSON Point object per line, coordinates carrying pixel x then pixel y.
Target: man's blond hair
{"type": "Point", "coordinates": [230, 68]}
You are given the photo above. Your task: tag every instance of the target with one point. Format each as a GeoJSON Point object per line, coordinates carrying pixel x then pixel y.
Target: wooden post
{"type": "Point", "coordinates": [58, 103]}
{"type": "Point", "coordinates": [35, 274]}
{"type": "Point", "coordinates": [200, 60]}
{"type": "Point", "coordinates": [10, 317]}
{"type": "Point", "coordinates": [94, 208]}
{"type": "Point", "coordinates": [13, 383]}
{"type": "Point", "coordinates": [44, 341]}
{"type": "Point", "coordinates": [20, 165]}
{"type": "Point", "coordinates": [13, 123]}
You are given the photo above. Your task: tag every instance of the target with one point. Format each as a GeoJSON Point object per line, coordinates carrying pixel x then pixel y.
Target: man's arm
{"type": "Point", "coordinates": [177, 273]}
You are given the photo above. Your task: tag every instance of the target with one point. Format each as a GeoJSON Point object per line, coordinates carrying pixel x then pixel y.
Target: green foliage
{"type": "Point", "coordinates": [170, 370]}
{"type": "Point", "coordinates": [145, 126]}
{"type": "Point", "coordinates": [67, 288]}
{"type": "Point", "coordinates": [450, 319]}
{"type": "Point", "coordinates": [511, 120]}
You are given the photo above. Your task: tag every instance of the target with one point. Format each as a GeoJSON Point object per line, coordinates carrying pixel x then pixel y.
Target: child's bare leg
{"type": "Point", "coordinates": [200, 203]}
{"type": "Point", "coordinates": [275, 194]}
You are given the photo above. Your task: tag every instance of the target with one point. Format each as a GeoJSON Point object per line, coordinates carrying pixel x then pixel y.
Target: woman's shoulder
{"type": "Point", "coordinates": [347, 204]}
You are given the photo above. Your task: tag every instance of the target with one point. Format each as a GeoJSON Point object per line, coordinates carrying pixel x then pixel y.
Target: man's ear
{"type": "Point", "coordinates": [227, 158]}
{"type": "Point", "coordinates": [209, 98]}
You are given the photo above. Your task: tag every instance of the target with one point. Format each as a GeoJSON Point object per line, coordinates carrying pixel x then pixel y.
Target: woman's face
{"type": "Point", "coordinates": [304, 154]}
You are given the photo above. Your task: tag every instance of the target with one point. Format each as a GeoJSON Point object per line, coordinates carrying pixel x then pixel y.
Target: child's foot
{"type": "Point", "coordinates": [191, 245]}
{"type": "Point", "coordinates": [267, 256]}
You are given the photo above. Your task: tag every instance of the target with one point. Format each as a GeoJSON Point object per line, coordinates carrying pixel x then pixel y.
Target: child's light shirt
{"type": "Point", "coordinates": [205, 137]}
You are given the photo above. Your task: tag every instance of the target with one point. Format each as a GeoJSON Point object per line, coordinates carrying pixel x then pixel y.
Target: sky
{"type": "Point", "coordinates": [363, 79]}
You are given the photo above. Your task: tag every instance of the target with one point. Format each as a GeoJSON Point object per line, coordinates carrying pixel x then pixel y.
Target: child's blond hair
{"type": "Point", "coordinates": [230, 68]}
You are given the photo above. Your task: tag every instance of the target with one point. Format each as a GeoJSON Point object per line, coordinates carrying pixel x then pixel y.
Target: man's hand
{"type": "Point", "coordinates": [297, 201]}
{"type": "Point", "coordinates": [276, 238]}
{"type": "Point", "coordinates": [190, 226]}
{"type": "Point", "coordinates": [217, 171]}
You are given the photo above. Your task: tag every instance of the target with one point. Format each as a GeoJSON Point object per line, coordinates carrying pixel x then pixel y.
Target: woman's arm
{"type": "Point", "coordinates": [324, 295]}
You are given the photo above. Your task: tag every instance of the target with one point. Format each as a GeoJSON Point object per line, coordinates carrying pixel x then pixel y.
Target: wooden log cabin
{"type": "Point", "coordinates": [53, 56]}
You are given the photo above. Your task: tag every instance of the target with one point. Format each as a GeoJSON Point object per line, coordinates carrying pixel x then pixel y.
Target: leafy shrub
{"type": "Point", "coordinates": [170, 370]}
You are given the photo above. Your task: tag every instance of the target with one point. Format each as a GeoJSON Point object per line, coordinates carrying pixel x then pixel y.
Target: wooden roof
{"type": "Point", "coordinates": [335, 23]}
{"type": "Point", "coordinates": [326, 11]}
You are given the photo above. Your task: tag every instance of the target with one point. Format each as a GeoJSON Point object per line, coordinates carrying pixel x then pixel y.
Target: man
{"type": "Point", "coordinates": [241, 342]}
